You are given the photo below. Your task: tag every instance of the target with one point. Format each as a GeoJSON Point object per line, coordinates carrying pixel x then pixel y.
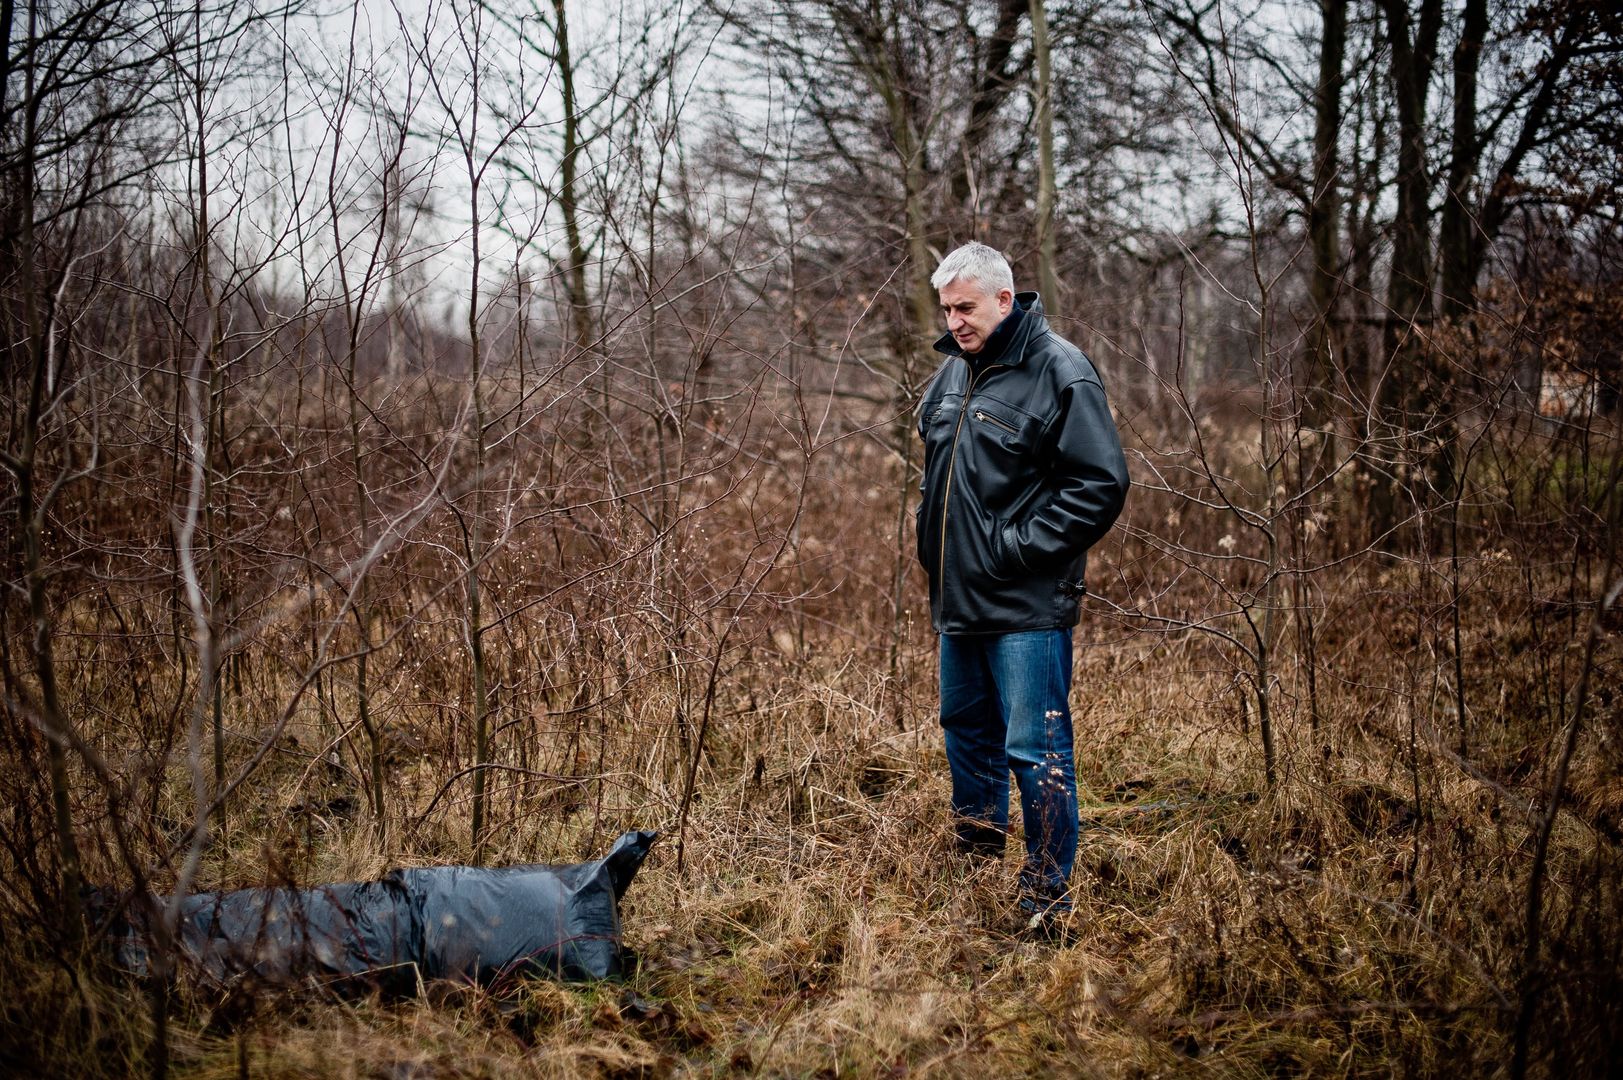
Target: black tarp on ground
{"type": "Point", "coordinates": [465, 923]}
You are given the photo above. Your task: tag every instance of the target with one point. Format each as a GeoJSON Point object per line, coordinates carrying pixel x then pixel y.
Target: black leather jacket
{"type": "Point", "coordinates": [1023, 472]}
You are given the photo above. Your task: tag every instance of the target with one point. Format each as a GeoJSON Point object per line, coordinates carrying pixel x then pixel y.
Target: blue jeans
{"type": "Point", "coordinates": [1004, 706]}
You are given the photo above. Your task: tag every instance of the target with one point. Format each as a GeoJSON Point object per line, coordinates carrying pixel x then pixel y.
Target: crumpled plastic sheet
{"type": "Point", "coordinates": [463, 923]}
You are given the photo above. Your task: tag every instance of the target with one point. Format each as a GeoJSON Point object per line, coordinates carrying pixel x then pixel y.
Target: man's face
{"type": "Point", "coordinates": [973, 312]}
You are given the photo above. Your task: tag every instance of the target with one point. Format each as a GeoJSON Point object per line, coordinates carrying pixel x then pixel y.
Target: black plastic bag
{"type": "Point", "coordinates": [464, 923]}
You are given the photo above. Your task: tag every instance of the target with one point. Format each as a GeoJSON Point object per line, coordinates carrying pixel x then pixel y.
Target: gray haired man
{"type": "Point", "coordinates": [1023, 473]}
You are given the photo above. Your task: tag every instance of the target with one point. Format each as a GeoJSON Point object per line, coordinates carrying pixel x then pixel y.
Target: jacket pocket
{"type": "Point", "coordinates": [1006, 561]}
{"type": "Point", "coordinates": [1003, 425]}
{"type": "Point", "coordinates": [1003, 443]}
{"type": "Point", "coordinates": [996, 421]}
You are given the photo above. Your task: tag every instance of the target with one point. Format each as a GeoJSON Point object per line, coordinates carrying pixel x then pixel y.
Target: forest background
{"type": "Point", "coordinates": [448, 433]}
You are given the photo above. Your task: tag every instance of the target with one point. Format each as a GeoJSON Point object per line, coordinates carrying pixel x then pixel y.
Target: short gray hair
{"type": "Point", "coordinates": [975, 262]}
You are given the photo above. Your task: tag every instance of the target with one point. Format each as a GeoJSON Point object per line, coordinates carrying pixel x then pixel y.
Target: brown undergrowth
{"type": "Point", "coordinates": [804, 913]}
{"type": "Point", "coordinates": [820, 924]}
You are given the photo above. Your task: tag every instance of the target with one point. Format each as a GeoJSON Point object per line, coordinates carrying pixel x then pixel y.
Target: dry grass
{"type": "Point", "coordinates": [822, 926]}
{"type": "Point", "coordinates": [1365, 916]}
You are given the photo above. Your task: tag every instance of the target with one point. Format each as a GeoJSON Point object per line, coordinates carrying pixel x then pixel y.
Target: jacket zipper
{"type": "Point", "coordinates": [952, 463]}
{"type": "Point", "coordinates": [988, 418]}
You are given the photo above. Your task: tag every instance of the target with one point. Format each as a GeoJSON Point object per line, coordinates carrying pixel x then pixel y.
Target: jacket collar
{"type": "Point", "coordinates": [1033, 325]}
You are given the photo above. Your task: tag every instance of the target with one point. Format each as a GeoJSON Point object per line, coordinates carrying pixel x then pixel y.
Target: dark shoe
{"type": "Point", "coordinates": [1046, 914]}
{"type": "Point", "coordinates": [1051, 925]}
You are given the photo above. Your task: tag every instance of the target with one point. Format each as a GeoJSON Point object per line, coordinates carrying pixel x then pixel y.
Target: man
{"type": "Point", "coordinates": [1023, 472]}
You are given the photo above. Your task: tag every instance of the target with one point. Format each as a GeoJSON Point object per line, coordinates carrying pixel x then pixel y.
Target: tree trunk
{"type": "Point", "coordinates": [992, 89]}
{"type": "Point", "coordinates": [1323, 216]}
{"type": "Point", "coordinates": [1413, 55]}
{"type": "Point", "coordinates": [1412, 396]}
{"type": "Point", "coordinates": [31, 510]}
{"type": "Point", "coordinates": [474, 540]}
{"type": "Point", "coordinates": [568, 188]}
{"type": "Point", "coordinates": [1047, 276]}
{"type": "Point", "coordinates": [1455, 241]}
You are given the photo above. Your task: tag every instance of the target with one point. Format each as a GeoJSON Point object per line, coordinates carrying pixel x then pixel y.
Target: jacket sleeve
{"type": "Point", "coordinates": [1087, 486]}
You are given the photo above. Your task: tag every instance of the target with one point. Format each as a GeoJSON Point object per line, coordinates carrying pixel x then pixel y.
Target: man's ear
{"type": "Point", "coordinates": [1005, 301]}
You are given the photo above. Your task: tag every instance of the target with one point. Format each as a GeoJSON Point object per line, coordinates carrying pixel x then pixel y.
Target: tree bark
{"type": "Point", "coordinates": [1047, 276]}
{"type": "Point", "coordinates": [1323, 216]}
{"type": "Point", "coordinates": [1414, 51]}
{"type": "Point", "coordinates": [1411, 397]}
{"type": "Point", "coordinates": [1455, 240]}
{"type": "Point", "coordinates": [37, 316]}
{"type": "Point", "coordinates": [568, 188]}
{"type": "Point", "coordinates": [992, 88]}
